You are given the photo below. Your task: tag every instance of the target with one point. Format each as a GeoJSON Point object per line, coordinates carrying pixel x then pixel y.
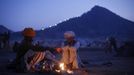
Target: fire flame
{"type": "Point", "coordinates": [70, 72]}
{"type": "Point", "coordinates": [57, 71]}
{"type": "Point", "coordinates": [62, 66]}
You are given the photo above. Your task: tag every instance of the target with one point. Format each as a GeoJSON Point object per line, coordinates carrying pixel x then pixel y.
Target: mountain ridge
{"type": "Point", "coordinates": [4, 29]}
{"type": "Point", "coordinates": [97, 22]}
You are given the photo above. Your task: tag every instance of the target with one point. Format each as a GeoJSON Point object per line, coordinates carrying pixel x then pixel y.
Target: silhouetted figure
{"type": "Point", "coordinates": [8, 38]}
{"type": "Point", "coordinates": [0, 41]}
{"type": "Point", "coordinates": [108, 48]}
{"type": "Point", "coordinates": [16, 46]}
{"type": "Point", "coordinates": [112, 45]}
{"type": "Point", "coordinates": [26, 44]}
{"type": "Point", "coordinates": [4, 39]}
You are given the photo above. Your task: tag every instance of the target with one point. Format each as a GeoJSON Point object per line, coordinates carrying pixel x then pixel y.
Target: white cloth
{"type": "Point", "coordinates": [37, 57]}
{"type": "Point", "coordinates": [69, 34]}
{"type": "Point", "coordinates": [69, 55]}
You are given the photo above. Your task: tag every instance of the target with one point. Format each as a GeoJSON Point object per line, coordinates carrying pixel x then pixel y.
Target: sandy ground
{"type": "Point", "coordinates": [94, 60]}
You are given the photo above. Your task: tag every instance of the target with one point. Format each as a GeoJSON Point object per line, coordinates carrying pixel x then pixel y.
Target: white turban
{"type": "Point", "coordinates": [69, 34]}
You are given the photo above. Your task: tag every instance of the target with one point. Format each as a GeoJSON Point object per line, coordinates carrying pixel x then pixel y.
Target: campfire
{"type": "Point", "coordinates": [62, 69]}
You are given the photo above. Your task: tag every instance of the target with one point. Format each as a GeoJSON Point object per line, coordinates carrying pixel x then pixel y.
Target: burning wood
{"type": "Point", "coordinates": [62, 69]}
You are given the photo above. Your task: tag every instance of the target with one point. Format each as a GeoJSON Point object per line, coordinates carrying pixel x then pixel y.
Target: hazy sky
{"type": "Point", "coordinates": [17, 14]}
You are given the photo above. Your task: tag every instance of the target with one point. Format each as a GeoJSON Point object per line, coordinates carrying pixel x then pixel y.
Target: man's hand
{"type": "Point", "coordinates": [59, 50]}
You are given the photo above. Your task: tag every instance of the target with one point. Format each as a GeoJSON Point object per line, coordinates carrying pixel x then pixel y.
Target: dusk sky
{"type": "Point", "coordinates": [18, 14]}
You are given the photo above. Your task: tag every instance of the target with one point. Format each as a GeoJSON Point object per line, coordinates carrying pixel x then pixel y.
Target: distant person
{"type": "Point", "coordinates": [108, 52]}
{"type": "Point", "coordinates": [16, 46]}
{"type": "Point", "coordinates": [8, 38]}
{"type": "Point", "coordinates": [108, 48]}
{"type": "Point", "coordinates": [5, 39]}
{"type": "Point", "coordinates": [69, 53]}
{"type": "Point", "coordinates": [111, 44]}
{"type": "Point", "coordinates": [0, 41]}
